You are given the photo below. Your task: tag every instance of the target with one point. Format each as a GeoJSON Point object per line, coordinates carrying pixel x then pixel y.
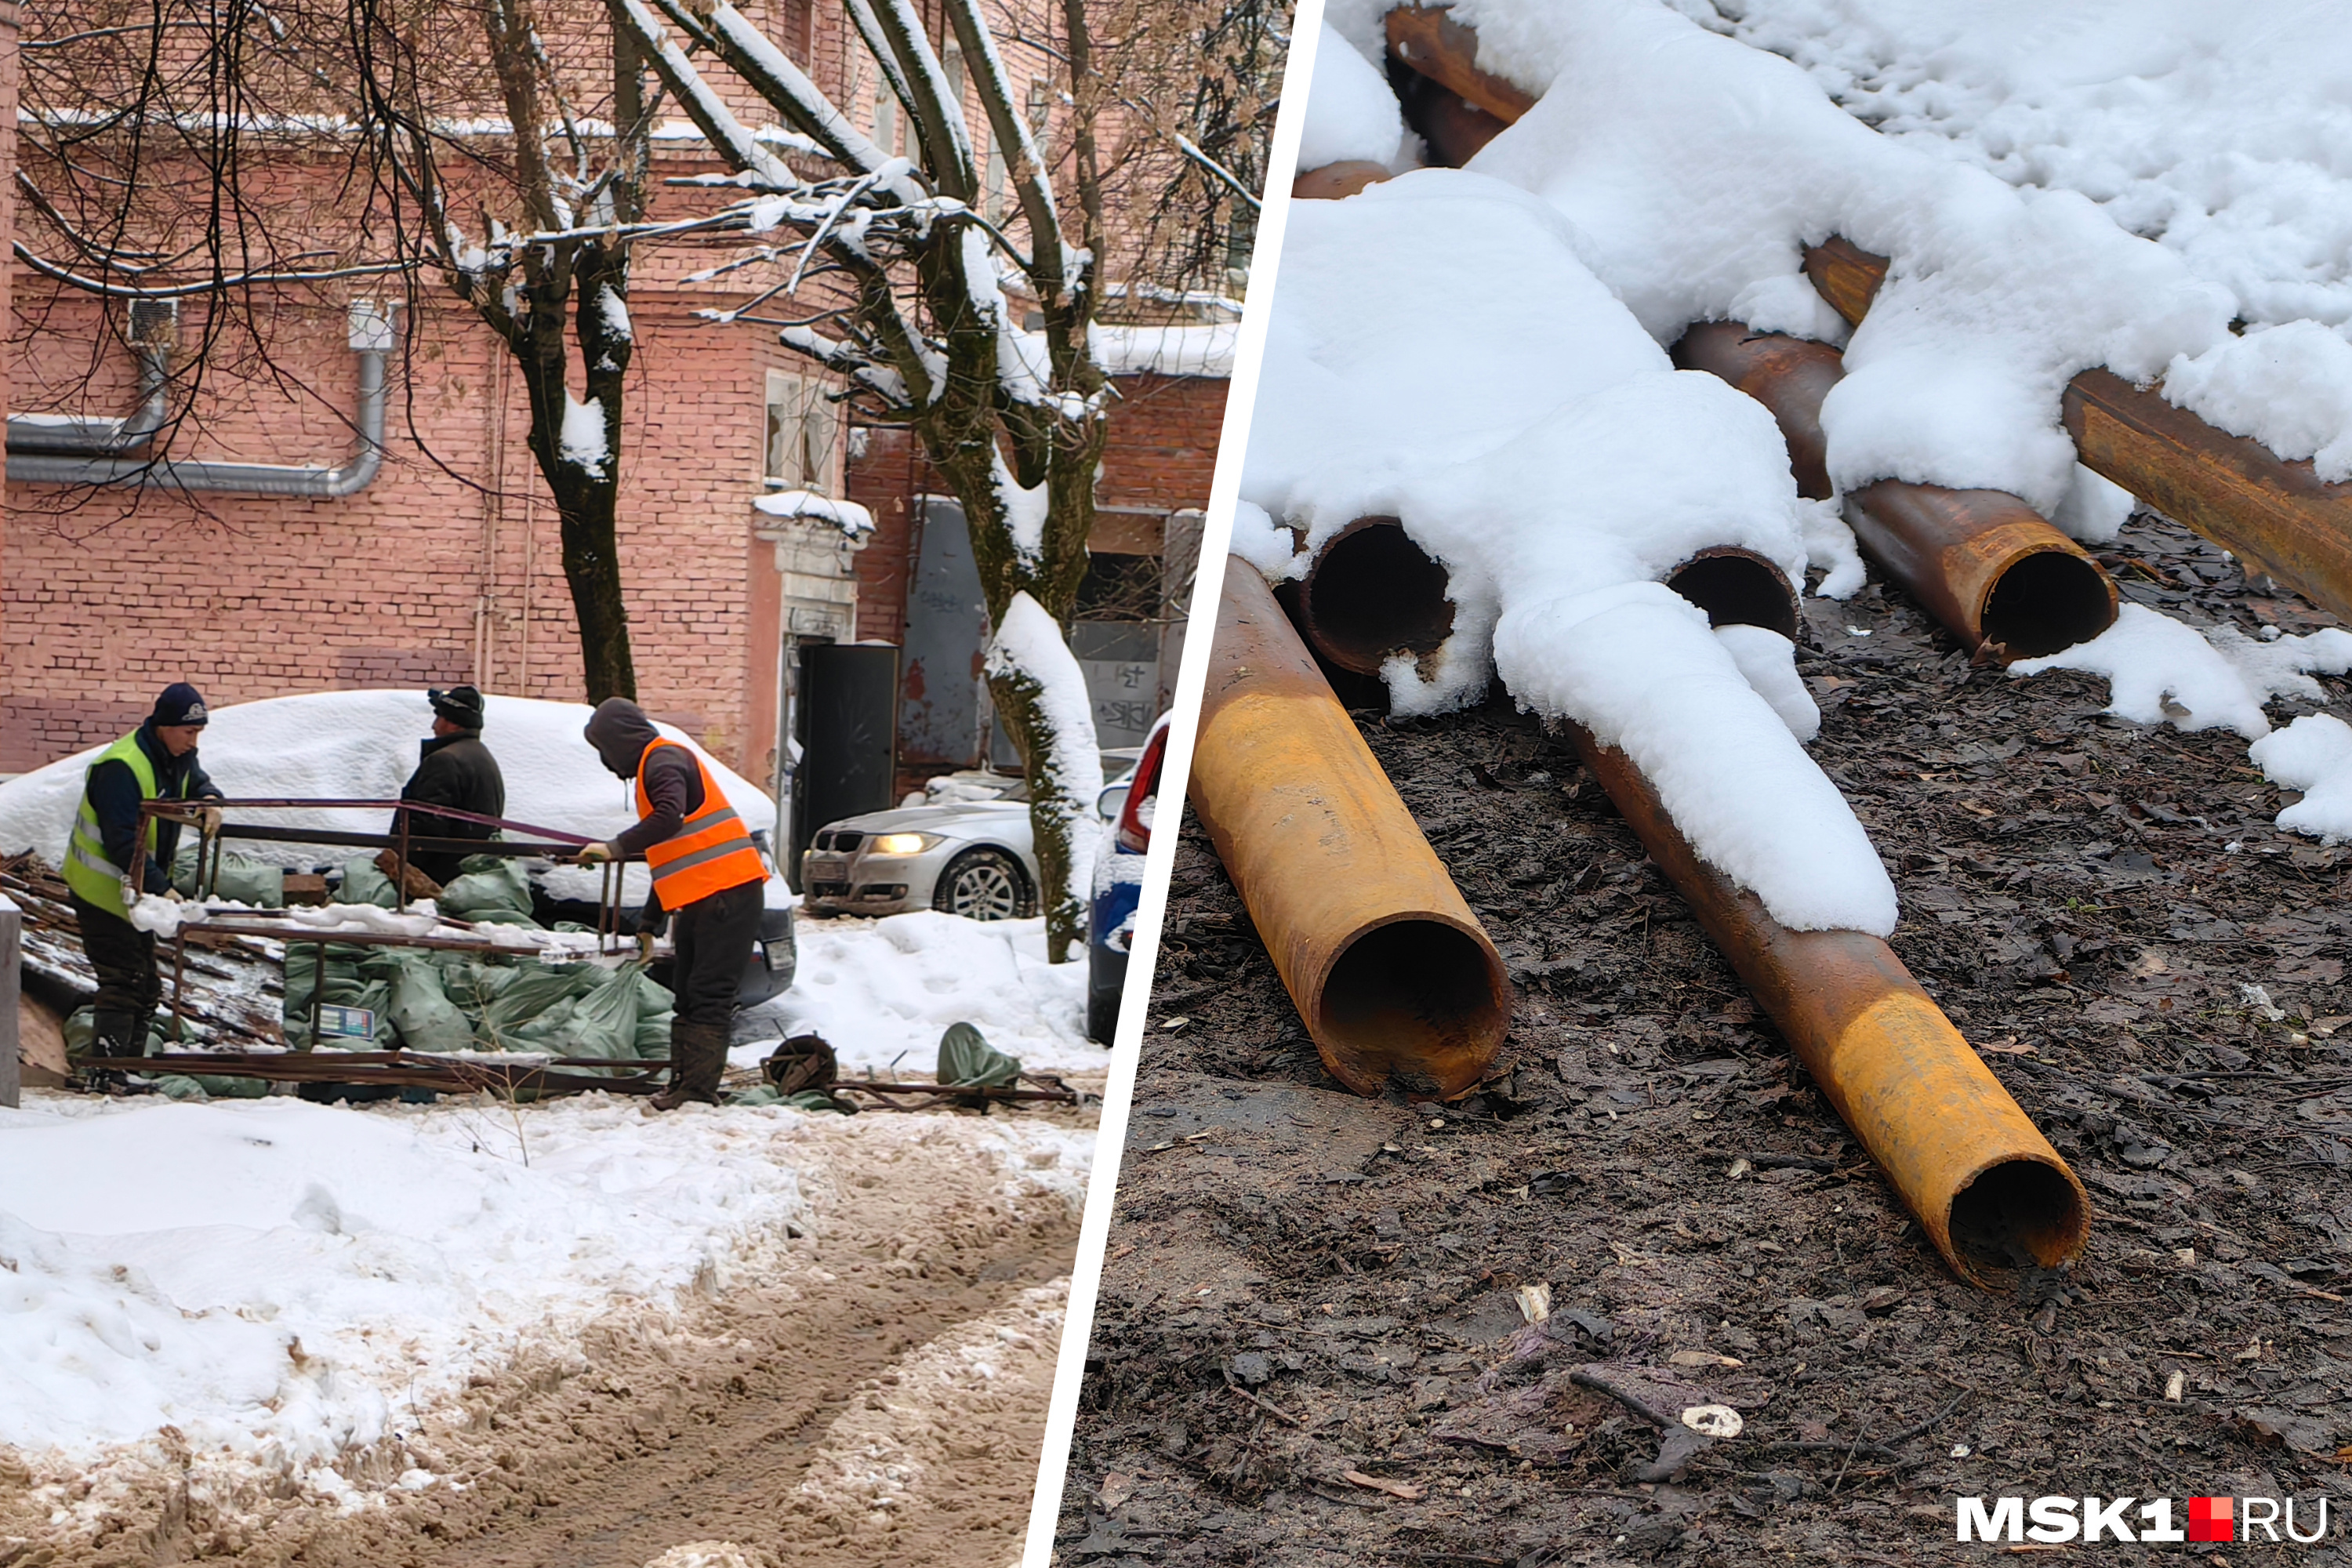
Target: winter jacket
{"type": "Point", "coordinates": [459, 771]}
{"type": "Point", "coordinates": [114, 798]}
{"type": "Point", "coordinates": [620, 732]}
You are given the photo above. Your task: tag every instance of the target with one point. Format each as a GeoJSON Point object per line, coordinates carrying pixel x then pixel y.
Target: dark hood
{"type": "Point", "coordinates": [620, 732]}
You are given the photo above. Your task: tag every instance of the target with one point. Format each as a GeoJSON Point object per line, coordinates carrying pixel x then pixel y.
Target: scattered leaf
{"type": "Point", "coordinates": [1702, 1358]}
{"type": "Point", "coordinates": [1534, 1302]}
{"type": "Point", "coordinates": [1117, 1488]}
{"type": "Point", "coordinates": [1394, 1488]}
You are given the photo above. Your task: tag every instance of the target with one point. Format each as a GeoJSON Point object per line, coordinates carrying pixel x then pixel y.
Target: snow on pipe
{"type": "Point", "coordinates": [1390, 971]}
{"type": "Point", "coordinates": [371, 338]}
{"type": "Point", "coordinates": [1990, 568]}
{"type": "Point", "coordinates": [1371, 593]}
{"type": "Point", "coordinates": [2276, 517]}
{"type": "Point", "coordinates": [1987, 1188]}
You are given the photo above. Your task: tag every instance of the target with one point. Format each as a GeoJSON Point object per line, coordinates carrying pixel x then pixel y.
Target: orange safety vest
{"type": "Point", "coordinates": [710, 852]}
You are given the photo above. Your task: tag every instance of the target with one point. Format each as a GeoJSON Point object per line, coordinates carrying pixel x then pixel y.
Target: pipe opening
{"type": "Point", "coordinates": [2050, 600]}
{"type": "Point", "coordinates": [1373, 593]}
{"type": "Point", "coordinates": [1738, 588]}
{"type": "Point", "coordinates": [2016, 1215]}
{"type": "Point", "coordinates": [1412, 990]}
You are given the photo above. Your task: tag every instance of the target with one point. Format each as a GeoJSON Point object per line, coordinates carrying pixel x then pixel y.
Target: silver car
{"type": "Point", "coordinates": [972, 858]}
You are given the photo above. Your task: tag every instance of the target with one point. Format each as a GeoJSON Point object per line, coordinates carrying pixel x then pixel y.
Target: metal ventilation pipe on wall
{"type": "Point", "coordinates": [108, 447]}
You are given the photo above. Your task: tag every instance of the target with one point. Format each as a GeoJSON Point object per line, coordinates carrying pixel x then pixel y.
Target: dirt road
{"type": "Point", "coordinates": [1302, 1284]}
{"type": "Point", "coordinates": [873, 1390]}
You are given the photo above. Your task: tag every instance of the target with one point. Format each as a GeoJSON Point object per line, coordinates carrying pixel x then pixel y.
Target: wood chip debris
{"type": "Point", "coordinates": [1409, 1492]}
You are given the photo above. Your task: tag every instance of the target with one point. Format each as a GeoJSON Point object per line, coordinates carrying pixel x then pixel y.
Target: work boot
{"type": "Point", "coordinates": [116, 1034]}
{"type": "Point", "coordinates": [697, 1056]}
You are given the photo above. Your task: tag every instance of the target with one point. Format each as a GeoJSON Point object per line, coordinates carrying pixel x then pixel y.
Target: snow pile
{"type": "Point", "coordinates": [361, 745]}
{"type": "Point", "coordinates": [883, 991]}
{"type": "Point", "coordinates": [2312, 754]}
{"type": "Point", "coordinates": [2215, 131]}
{"type": "Point", "coordinates": [1420, 323]}
{"type": "Point", "coordinates": [2161, 670]}
{"type": "Point", "coordinates": [1351, 115]}
{"type": "Point", "coordinates": [1695, 169]}
{"type": "Point", "coordinates": [1534, 440]}
{"type": "Point", "coordinates": [280, 1281]}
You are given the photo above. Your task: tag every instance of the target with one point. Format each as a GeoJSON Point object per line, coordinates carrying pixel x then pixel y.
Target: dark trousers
{"type": "Point", "coordinates": [714, 938]}
{"type": "Point", "coordinates": [124, 957]}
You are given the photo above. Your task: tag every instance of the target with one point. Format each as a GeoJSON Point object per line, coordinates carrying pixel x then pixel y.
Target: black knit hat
{"type": "Point", "coordinates": [461, 705]}
{"type": "Point", "coordinates": [179, 704]}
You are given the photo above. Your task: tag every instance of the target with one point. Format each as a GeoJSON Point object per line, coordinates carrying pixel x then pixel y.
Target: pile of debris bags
{"type": "Point", "coordinates": [443, 1001]}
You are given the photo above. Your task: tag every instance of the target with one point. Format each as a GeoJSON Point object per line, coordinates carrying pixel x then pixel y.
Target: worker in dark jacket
{"type": "Point", "coordinates": [708, 875]}
{"type": "Point", "coordinates": [155, 762]}
{"type": "Point", "coordinates": [456, 771]}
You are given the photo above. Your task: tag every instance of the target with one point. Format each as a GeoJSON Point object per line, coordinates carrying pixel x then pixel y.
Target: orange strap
{"type": "Point", "coordinates": [710, 852]}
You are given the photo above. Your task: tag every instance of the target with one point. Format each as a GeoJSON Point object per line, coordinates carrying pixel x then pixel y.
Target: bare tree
{"type": "Point", "coordinates": [918, 319]}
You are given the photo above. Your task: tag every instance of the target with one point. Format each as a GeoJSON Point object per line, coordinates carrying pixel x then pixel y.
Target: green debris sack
{"type": "Point", "coordinates": [246, 881]}
{"type": "Point", "coordinates": [521, 1004]}
{"type": "Point", "coordinates": [489, 890]}
{"type": "Point", "coordinates": [350, 982]}
{"type": "Point", "coordinates": [363, 884]}
{"type": "Point", "coordinates": [806, 1099]}
{"type": "Point", "coordinates": [421, 1010]}
{"type": "Point", "coordinates": [968, 1061]}
{"type": "Point", "coordinates": [600, 1018]}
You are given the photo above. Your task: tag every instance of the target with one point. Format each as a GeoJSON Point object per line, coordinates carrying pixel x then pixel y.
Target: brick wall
{"type": "Point", "coordinates": [439, 572]}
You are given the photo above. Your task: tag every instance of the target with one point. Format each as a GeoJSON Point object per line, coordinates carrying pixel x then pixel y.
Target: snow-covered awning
{"type": "Point", "coordinates": [854, 520]}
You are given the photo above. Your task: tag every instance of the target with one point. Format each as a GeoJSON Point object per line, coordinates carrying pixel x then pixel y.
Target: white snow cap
{"type": "Point", "coordinates": [1419, 324]}
{"type": "Point", "coordinates": [361, 745]}
{"type": "Point", "coordinates": [854, 520]}
{"type": "Point", "coordinates": [1350, 113]}
{"type": "Point", "coordinates": [1696, 168]}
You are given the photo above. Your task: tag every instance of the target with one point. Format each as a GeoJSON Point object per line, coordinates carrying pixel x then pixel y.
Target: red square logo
{"type": "Point", "coordinates": [2209, 1518]}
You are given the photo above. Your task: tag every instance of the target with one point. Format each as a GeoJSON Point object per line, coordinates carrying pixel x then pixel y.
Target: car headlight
{"type": "Point", "coordinates": [902, 842]}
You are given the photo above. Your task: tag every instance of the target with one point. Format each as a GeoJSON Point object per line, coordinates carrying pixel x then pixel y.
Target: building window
{"type": "Point", "coordinates": [804, 434]}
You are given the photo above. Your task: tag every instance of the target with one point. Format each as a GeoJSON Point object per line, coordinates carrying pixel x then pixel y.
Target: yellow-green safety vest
{"type": "Point", "coordinates": [88, 871]}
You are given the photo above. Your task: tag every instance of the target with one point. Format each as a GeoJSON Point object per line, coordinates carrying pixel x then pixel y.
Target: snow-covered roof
{"type": "Point", "coordinates": [1203, 349]}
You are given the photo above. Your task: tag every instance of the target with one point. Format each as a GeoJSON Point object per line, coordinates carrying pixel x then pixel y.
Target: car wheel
{"type": "Point", "coordinates": [981, 885]}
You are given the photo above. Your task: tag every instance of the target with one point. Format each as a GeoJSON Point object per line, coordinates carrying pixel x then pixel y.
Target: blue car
{"type": "Point", "coordinates": [1118, 885]}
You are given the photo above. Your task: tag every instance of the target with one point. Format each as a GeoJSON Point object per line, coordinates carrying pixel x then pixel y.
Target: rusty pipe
{"type": "Point", "coordinates": [1987, 1188]}
{"type": "Point", "coordinates": [1390, 972]}
{"type": "Point", "coordinates": [1435, 46]}
{"type": "Point", "coordinates": [1371, 593]}
{"type": "Point", "coordinates": [2278, 517]}
{"type": "Point", "coordinates": [1988, 566]}
{"type": "Point", "coordinates": [1335, 182]}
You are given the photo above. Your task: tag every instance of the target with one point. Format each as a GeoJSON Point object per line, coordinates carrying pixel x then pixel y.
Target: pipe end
{"type": "Point", "coordinates": [1738, 587]}
{"type": "Point", "coordinates": [1420, 1000]}
{"type": "Point", "coordinates": [2046, 601]}
{"type": "Point", "coordinates": [2019, 1214]}
{"type": "Point", "coordinates": [1370, 594]}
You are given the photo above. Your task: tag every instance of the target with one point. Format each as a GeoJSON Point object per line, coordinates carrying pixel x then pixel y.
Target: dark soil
{"type": "Point", "coordinates": [1301, 1284]}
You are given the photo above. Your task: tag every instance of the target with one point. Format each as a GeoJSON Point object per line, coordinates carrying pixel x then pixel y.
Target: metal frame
{"type": "Point", "coordinates": [550, 844]}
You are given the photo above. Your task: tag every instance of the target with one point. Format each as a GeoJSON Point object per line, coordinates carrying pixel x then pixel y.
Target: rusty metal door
{"type": "Point", "coordinates": [940, 706]}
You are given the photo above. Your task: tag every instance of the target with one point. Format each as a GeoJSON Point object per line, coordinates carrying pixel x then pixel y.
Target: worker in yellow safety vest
{"type": "Point", "coordinates": [710, 883]}
{"type": "Point", "coordinates": [107, 849]}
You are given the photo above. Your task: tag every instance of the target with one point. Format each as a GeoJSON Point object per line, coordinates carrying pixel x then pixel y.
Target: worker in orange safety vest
{"type": "Point", "coordinates": [710, 883]}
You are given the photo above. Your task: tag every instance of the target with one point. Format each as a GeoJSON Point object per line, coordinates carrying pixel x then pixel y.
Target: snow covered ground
{"type": "Point", "coordinates": [882, 991]}
{"type": "Point", "coordinates": [283, 1283]}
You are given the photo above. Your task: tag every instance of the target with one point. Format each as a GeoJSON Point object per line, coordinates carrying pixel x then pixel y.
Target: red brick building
{"type": "Point", "coordinates": [446, 565]}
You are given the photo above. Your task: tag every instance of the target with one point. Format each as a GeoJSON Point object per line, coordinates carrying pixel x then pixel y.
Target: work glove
{"type": "Point", "coordinates": [644, 947]}
{"type": "Point", "coordinates": [592, 855]}
{"type": "Point", "coordinates": [209, 818]}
